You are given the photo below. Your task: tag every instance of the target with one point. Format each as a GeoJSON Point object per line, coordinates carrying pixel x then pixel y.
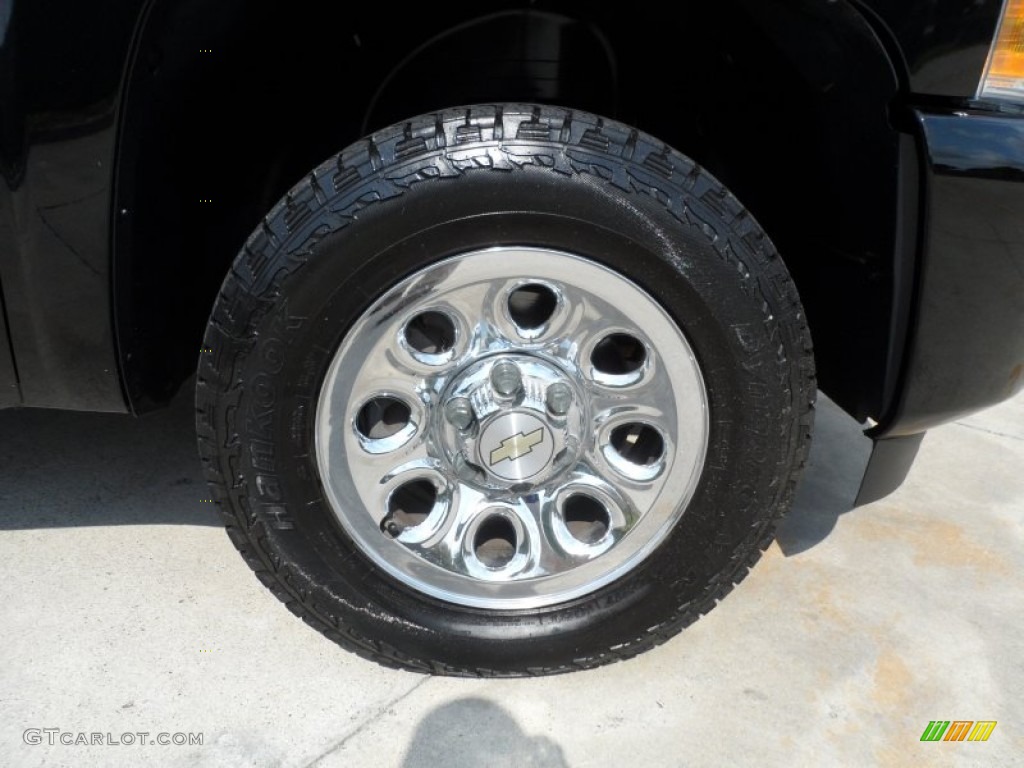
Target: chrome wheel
{"type": "Point", "coordinates": [511, 428]}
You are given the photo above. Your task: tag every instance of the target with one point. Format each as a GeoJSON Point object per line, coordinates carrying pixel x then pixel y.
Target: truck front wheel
{"type": "Point", "coordinates": [505, 390]}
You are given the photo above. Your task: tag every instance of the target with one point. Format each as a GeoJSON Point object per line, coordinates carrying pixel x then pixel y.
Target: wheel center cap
{"type": "Point", "coordinates": [516, 446]}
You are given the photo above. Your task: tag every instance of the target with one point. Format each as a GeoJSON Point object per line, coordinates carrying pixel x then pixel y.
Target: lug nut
{"type": "Point", "coordinates": [459, 412]}
{"type": "Point", "coordinates": [505, 378]}
{"type": "Point", "coordinates": [558, 398]}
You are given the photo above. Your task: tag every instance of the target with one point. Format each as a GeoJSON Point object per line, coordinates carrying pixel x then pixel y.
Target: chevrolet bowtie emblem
{"type": "Point", "coordinates": [517, 446]}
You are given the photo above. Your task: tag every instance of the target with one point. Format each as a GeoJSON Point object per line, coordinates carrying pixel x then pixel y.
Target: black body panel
{"type": "Point", "coordinates": [10, 394]}
{"type": "Point", "coordinates": [967, 347]}
{"type": "Point", "coordinates": [942, 44]}
{"type": "Point", "coordinates": [61, 68]}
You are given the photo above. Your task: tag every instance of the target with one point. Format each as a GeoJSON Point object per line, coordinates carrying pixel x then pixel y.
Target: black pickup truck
{"type": "Point", "coordinates": [501, 317]}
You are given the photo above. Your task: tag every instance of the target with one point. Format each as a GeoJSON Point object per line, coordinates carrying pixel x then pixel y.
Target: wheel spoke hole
{"type": "Point", "coordinates": [430, 333]}
{"type": "Point", "coordinates": [639, 444]}
{"type": "Point", "coordinates": [495, 542]}
{"type": "Point", "coordinates": [531, 306]}
{"type": "Point", "coordinates": [409, 505]}
{"type": "Point", "coordinates": [382, 417]}
{"type": "Point", "coordinates": [586, 518]}
{"type": "Point", "coordinates": [618, 354]}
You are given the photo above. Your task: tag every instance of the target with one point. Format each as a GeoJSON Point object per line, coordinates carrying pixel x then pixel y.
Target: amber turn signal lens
{"type": "Point", "coordinates": [1004, 72]}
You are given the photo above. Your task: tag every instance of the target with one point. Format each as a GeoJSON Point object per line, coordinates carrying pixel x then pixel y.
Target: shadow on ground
{"type": "Point", "coordinates": [474, 732]}
{"type": "Point", "coordinates": [61, 468]}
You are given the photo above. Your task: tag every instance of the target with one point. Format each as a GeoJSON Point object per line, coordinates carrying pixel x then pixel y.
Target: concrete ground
{"type": "Point", "coordinates": [124, 609]}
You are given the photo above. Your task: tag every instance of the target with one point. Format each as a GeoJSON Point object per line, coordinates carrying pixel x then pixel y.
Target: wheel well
{"type": "Point", "coordinates": [228, 105]}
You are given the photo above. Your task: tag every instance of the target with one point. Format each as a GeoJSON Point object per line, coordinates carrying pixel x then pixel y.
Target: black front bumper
{"type": "Point", "coordinates": [965, 346]}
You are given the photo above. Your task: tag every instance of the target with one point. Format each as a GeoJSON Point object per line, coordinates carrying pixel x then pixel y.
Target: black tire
{"type": "Point", "coordinates": [448, 183]}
